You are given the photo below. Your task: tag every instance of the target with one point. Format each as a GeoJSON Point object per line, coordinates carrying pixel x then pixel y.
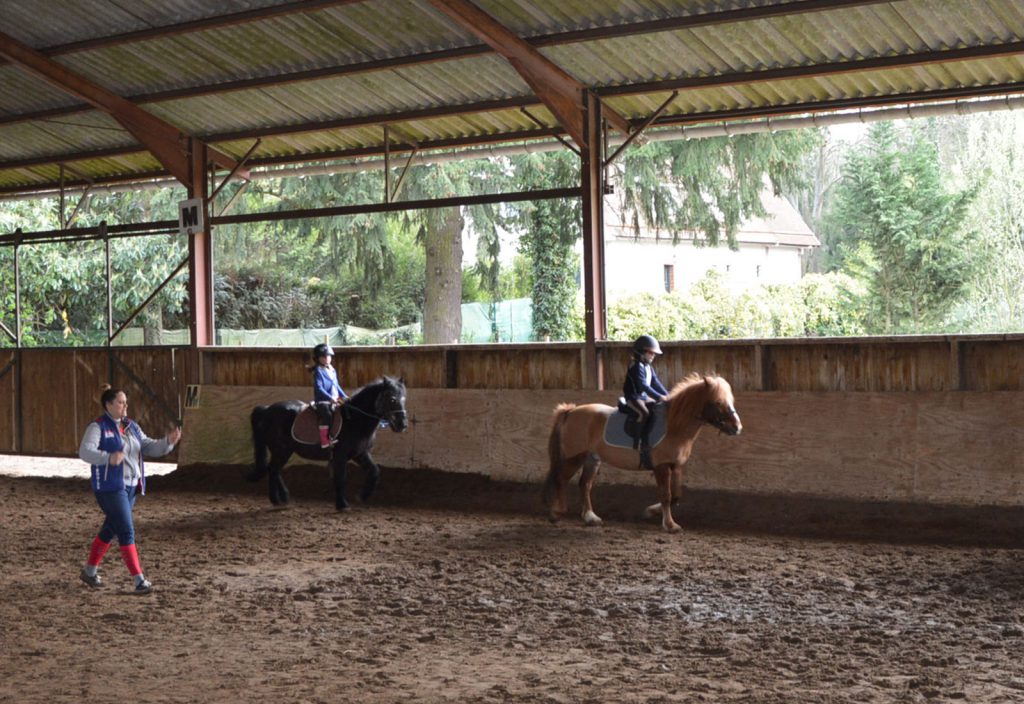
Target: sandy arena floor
{"type": "Point", "coordinates": [482, 600]}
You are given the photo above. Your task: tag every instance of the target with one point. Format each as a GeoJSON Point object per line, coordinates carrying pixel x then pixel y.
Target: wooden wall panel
{"type": "Point", "coordinates": [734, 361]}
{"type": "Point", "coordinates": [48, 387]}
{"type": "Point", "coordinates": [90, 371]}
{"type": "Point", "coordinates": [519, 367]}
{"type": "Point", "coordinates": [218, 425]}
{"type": "Point", "coordinates": [268, 366]}
{"type": "Point", "coordinates": [924, 447]}
{"type": "Point", "coordinates": [8, 407]}
{"type": "Point", "coordinates": [907, 365]}
{"type": "Point", "coordinates": [61, 390]}
{"type": "Point", "coordinates": [420, 366]}
{"type": "Point", "coordinates": [423, 367]}
{"type": "Point", "coordinates": [993, 365]}
{"type": "Point", "coordinates": [149, 376]}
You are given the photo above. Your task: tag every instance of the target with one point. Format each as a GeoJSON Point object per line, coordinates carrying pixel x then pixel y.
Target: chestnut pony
{"type": "Point", "coordinates": [577, 440]}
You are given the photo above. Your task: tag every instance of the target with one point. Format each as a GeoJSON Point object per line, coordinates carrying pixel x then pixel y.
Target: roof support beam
{"type": "Point", "coordinates": [878, 64]}
{"type": "Point", "coordinates": [924, 97]}
{"type": "Point", "coordinates": [560, 92]}
{"type": "Point", "coordinates": [667, 24]}
{"type": "Point", "coordinates": [830, 68]}
{"type": "Point", "coordinates": [641, 129]}
{"type": "Point", "coordinates": [199, 25]}
{"type": "Point", "coordinates": [168, 144]}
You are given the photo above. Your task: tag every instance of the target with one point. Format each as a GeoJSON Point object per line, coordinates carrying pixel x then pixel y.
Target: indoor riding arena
{"type": "Point", "coordinates": [860, 541]}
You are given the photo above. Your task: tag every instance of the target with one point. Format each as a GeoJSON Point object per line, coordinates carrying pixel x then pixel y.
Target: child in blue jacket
{"type": "Point", "coordinates": [643, 387]}
{"type": "Point", "coordinates": [326, 390]}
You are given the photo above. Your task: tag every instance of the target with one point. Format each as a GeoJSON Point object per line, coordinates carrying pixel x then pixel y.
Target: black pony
{"type": "Point", "coordinates": [383, 400]}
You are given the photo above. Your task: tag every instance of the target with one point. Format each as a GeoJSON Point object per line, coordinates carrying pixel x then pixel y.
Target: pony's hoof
{"type": "Point", "coordinates": [672, 528]}
{"type": "Point", "coordinates": [591, 519]}
{"type": "Point", "coordinates": [652, 511]}
{"type": "Point", "coordinates": [341, 509]}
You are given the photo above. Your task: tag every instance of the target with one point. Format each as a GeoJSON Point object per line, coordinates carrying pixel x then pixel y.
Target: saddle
{"type": "Point", "coordinates": [632, 426]}
{"type": "Point", "coordinates": [305, 427]}
{"type": "Point", "coordinates": [623, 430]}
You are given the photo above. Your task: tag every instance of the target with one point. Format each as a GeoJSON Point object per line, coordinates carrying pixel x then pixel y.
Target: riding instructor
{"type": "Point", "coordinates": [114, 445]}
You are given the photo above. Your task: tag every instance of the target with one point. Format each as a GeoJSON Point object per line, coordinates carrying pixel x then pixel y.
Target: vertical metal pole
{"type": "Point", "coordinates": [592, 194]}
{"type": "Point", "coordinates": [60, 215]}
{"type": "Point", "coordinates": [387, 165]}
{"type": "Point", "coordinates": [110, 301]}
{"type": "Point", "coordinates": [17, 289]}
{"type": "Point", "coordinates": [19, 425]}
{"type": "Point", "coordinates": [110, 275]}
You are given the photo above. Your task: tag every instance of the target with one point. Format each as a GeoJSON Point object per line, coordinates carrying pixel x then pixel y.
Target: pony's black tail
{"type": "Point", "coordinates": [259, 444]}
{"type": "Point", "coordinates": [555, 450]}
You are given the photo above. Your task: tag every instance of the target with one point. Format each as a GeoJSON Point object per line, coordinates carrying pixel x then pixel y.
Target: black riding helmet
{"type": "Point", "coordinates": [322, 349]}
{"type": "Point", "coordinates": [644, 343]}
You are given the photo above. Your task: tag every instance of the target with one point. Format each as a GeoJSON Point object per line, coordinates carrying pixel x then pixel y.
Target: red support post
{"type": "Point", "coordinates": [200, 253]}
{"type": "Point", "coordinates": [592, 193]}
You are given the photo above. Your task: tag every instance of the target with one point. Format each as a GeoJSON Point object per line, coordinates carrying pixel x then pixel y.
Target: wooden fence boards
{"type": "Point", "coordinates": [8, 407]}
{"type": "Point", "coordinates": [932, 419]}
{"type": "Point", "coordinates": [908, 447]}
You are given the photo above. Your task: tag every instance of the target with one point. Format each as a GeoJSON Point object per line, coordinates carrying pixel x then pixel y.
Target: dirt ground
{"type": "Point", "coordinates": [447, 591]}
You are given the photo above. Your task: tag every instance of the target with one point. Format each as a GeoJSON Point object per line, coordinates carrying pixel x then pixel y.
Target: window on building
{"type": "Point", "coordinates": [758, 273]}
{"type": "Point", "coordinates": [670, 278]}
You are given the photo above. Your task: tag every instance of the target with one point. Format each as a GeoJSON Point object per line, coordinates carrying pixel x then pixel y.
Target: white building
{"type": "Point", "coordinates": [772, 250]}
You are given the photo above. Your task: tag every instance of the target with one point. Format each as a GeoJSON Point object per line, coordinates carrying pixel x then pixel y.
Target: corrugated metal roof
{"type": "Point", "coordinates": [320, 79]}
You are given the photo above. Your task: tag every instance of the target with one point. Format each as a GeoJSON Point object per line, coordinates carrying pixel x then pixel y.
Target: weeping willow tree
{"type": "Point", "coordinates": [441, 231]}
{"type": "Point", "coordinates": [709, 186]}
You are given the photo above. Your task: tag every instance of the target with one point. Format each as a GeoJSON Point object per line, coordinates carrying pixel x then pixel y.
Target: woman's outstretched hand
{"type": "Point", "coordinates": [174, 436]}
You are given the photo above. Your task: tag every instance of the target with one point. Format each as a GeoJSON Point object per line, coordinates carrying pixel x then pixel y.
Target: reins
{"type": "Point", "coordinates": [354, 407]}
{"type": "Point", "coordinates": [388, 418]}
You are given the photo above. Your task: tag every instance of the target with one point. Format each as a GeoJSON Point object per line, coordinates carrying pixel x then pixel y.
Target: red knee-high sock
{"type": "Point", "coordinates": [97, 551]}
{"type": "Point", "coordinates": [131, 559]}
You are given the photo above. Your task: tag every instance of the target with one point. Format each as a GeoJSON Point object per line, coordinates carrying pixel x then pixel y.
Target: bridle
{"type": "Point", "coordinates": [721, 417]}
{"type": "Point", "coordinates": [391, 417]}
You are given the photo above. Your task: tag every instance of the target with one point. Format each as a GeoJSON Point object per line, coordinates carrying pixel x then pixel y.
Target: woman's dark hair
{"type": "Point", "coordinates": [109, 394]}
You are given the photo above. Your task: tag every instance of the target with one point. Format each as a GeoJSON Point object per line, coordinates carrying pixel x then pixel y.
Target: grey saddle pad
{"type": "Point", "coordinates": [615, 429]}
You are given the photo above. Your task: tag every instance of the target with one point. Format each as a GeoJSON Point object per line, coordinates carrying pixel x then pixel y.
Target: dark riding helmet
{"type": "Point", "coordinates": [644, 343]}
{"type": "Point", "coordinates": [322, 349]}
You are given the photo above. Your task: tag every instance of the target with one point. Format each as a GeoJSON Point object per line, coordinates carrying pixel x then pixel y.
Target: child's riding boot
{"type": "Point", "coordinates": [645, 444]}
{"type": "Point", "coordinates": [325, 439]}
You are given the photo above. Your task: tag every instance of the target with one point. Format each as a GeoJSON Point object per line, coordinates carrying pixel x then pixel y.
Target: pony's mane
{"type": "Point", "coordinates": [378, 382]}
{"type": "Point", "coordinates": [687, 398]}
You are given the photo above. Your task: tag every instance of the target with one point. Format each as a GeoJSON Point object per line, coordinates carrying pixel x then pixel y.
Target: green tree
{"type": "Point", "coordinates": [708, 186]}
{"type": "Point", "coordinates": [441, 231]}
{"type": "Point", "coordinates": [63, 291]}
{"type": "Point", "coordinates": [901, 231]}
{"type": "Point", "coordinates": [987, 151]}
{"type": "Point", "coordinates": [549, 230]}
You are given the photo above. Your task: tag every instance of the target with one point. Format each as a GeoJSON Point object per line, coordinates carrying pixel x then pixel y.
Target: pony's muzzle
{"type": "Point", "coordinates": [399, 421]}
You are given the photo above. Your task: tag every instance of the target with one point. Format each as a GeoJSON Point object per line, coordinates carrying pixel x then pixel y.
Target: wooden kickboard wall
{"type": "Point", "coordinates": [960, 448]}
